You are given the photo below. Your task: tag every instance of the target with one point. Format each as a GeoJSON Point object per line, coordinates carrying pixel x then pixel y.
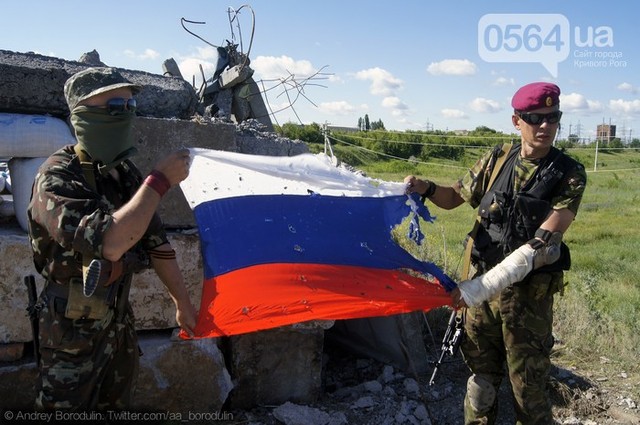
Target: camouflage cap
{"type": "Point", "coordinates": [92, 81]}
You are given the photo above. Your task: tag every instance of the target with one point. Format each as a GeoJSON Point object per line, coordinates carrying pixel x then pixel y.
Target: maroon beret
{"type": "Point", "coordinates": [536, 96]}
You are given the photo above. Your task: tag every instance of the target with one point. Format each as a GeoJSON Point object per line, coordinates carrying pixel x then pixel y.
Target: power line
{"type": "Point", "coordinates": [442, 164]}
{"type": "Point", "coordinates": [396, 157]}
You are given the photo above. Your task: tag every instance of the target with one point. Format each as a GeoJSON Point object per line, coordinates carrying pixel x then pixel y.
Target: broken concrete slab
{"type": "Point", "coordinates": [33, 84]}
{"type": "Point", "coordinates": [181, 376]}
{"type": "Point", "coordinates": [275, 366]}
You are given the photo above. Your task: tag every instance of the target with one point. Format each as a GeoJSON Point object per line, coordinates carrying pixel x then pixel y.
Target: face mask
{"type": "Point", "coordinates": [104, 137]}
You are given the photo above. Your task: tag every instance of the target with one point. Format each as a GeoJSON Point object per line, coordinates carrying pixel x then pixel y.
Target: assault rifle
{"type": "Point", "coordinates": [451, 341]}
{"type": "Point", "coordinates": [33, 310]}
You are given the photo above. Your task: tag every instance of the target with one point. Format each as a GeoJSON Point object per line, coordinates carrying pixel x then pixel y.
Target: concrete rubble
{"type": "Point", "coordinates": [270, 367]}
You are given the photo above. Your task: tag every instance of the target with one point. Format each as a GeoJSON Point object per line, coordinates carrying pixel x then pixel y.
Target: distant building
{"type": "Point", "coordinates": [343, 129]}
{"type": "Point", "coordinates": [606, 132]}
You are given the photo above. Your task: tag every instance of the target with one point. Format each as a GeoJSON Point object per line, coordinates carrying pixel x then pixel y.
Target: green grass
{"type": "Point", "coordinates": [597, 319]}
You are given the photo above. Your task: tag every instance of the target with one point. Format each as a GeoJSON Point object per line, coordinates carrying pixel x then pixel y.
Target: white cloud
{"type": "Point", "coordinates": [148, 54]}
{"type": "Point", "coordinates": [336, 108]}
{"type": "Point", "coordinates": [283, 67]}
{"type": "Point", "coordinates": [396, 106]}
{"type": "Point", "coordinates": [453, 113]}
{"type": "Point", "coordinates": [189, 65]}
{"type": "Point", "coordinates": [573, 101]}
{"type": "Point", "coordinates": [207, 53]}
{"type": "Point", "coordinates": [265, 67]}
{"type": "Point", "coordinates": [628, 88]}
{"type": "Point", "coordinates": [392, 102]}
{"type": "Point", "coordinates": [383, 83]}
{"type": "Point", "coordinates": [482, 105]}
{"type": "Point", "coordinates": [460, 67]}
{"type": "Point", "coordinates": [627, 107]}
{"type": "Point", "coordinates": [503, 81]}
{"type": "Point", "coordinates": [190, 68]}
{"type": "Point", "coordinates": [577, 102]}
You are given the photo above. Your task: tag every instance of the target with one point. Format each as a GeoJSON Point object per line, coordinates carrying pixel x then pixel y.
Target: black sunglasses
{"type": "Point", "coordinates": [537, 119]}
{"type": "Point", "coordinates": [119, 105]}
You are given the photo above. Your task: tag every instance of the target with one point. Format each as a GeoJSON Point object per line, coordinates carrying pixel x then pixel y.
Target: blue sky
{"type": "Point", "coordinates": [415, 65]}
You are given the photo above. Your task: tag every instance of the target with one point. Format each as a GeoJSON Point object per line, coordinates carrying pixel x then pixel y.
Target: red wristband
{"type": "Point", "coordinates": [158, 182]}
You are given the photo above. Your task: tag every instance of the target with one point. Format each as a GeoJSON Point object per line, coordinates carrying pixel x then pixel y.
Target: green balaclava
{"type": "Point", "coordinates": [106, 138]}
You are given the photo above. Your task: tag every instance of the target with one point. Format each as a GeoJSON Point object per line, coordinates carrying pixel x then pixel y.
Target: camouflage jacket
{"type": "Point", "coordinates": [473, 185]}
{"type": "Point", "coordinates": [520, 199]}
{"type": "Point", "coordinates": [68, 218]}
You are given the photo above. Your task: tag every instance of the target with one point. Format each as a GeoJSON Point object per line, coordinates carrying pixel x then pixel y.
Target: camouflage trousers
{"type": "Point", "coordinates": [86, 365]}
{"type": "Point", "coordinates": [514, 329]}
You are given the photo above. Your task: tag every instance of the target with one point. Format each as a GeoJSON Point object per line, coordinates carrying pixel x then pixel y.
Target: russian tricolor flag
{"type": "Point", "coordinates": [292, 239]}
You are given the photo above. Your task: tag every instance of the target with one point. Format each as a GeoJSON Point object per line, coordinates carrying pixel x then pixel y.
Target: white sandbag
{"type": "Point", "coordinates": [32, 136]}
{"type": "Point", "coordinates": [6, 206]}
{"type": "Point", "coordinates": [23, 171]}
{"type": "Point", "coordinates": [5, 180]}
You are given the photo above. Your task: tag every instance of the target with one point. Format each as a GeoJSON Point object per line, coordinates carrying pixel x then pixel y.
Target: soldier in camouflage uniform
{"type": "Point", "coordinates": [106, 211]}
{"type": "Point", "coordinates": [525, 205]}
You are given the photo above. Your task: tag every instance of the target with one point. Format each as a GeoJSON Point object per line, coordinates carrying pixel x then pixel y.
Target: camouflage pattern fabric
{"type": "Point", "coordinates": [515, 329]}
{"type": "Point", "coordinates": [93, 81]}
{"type": "Point", "coordinates": [86, 364]}
{"type": "Point", "coordinates": [67, 218]}
{"type": "Point", "coordinates": [473, 184]}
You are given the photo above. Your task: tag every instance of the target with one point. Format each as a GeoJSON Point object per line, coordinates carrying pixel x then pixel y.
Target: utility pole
{"type": "Point", "coordinates": [428, 126]}
{"type": "Point", "coordinates": [600, 134]}
{"type": "Point", "coordinates": [328, 150]}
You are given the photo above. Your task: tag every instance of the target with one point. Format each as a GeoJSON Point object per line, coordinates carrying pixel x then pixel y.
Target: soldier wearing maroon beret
{"type": "Point", "coordinates": [527, 195]}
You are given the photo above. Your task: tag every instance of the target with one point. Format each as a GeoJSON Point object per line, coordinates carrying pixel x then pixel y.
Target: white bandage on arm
{"type": "Point", "coordinates": [512, 269]}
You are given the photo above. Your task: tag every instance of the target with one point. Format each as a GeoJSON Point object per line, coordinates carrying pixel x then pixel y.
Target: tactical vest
{"type": "Point", "coordinates": [508, 219]}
